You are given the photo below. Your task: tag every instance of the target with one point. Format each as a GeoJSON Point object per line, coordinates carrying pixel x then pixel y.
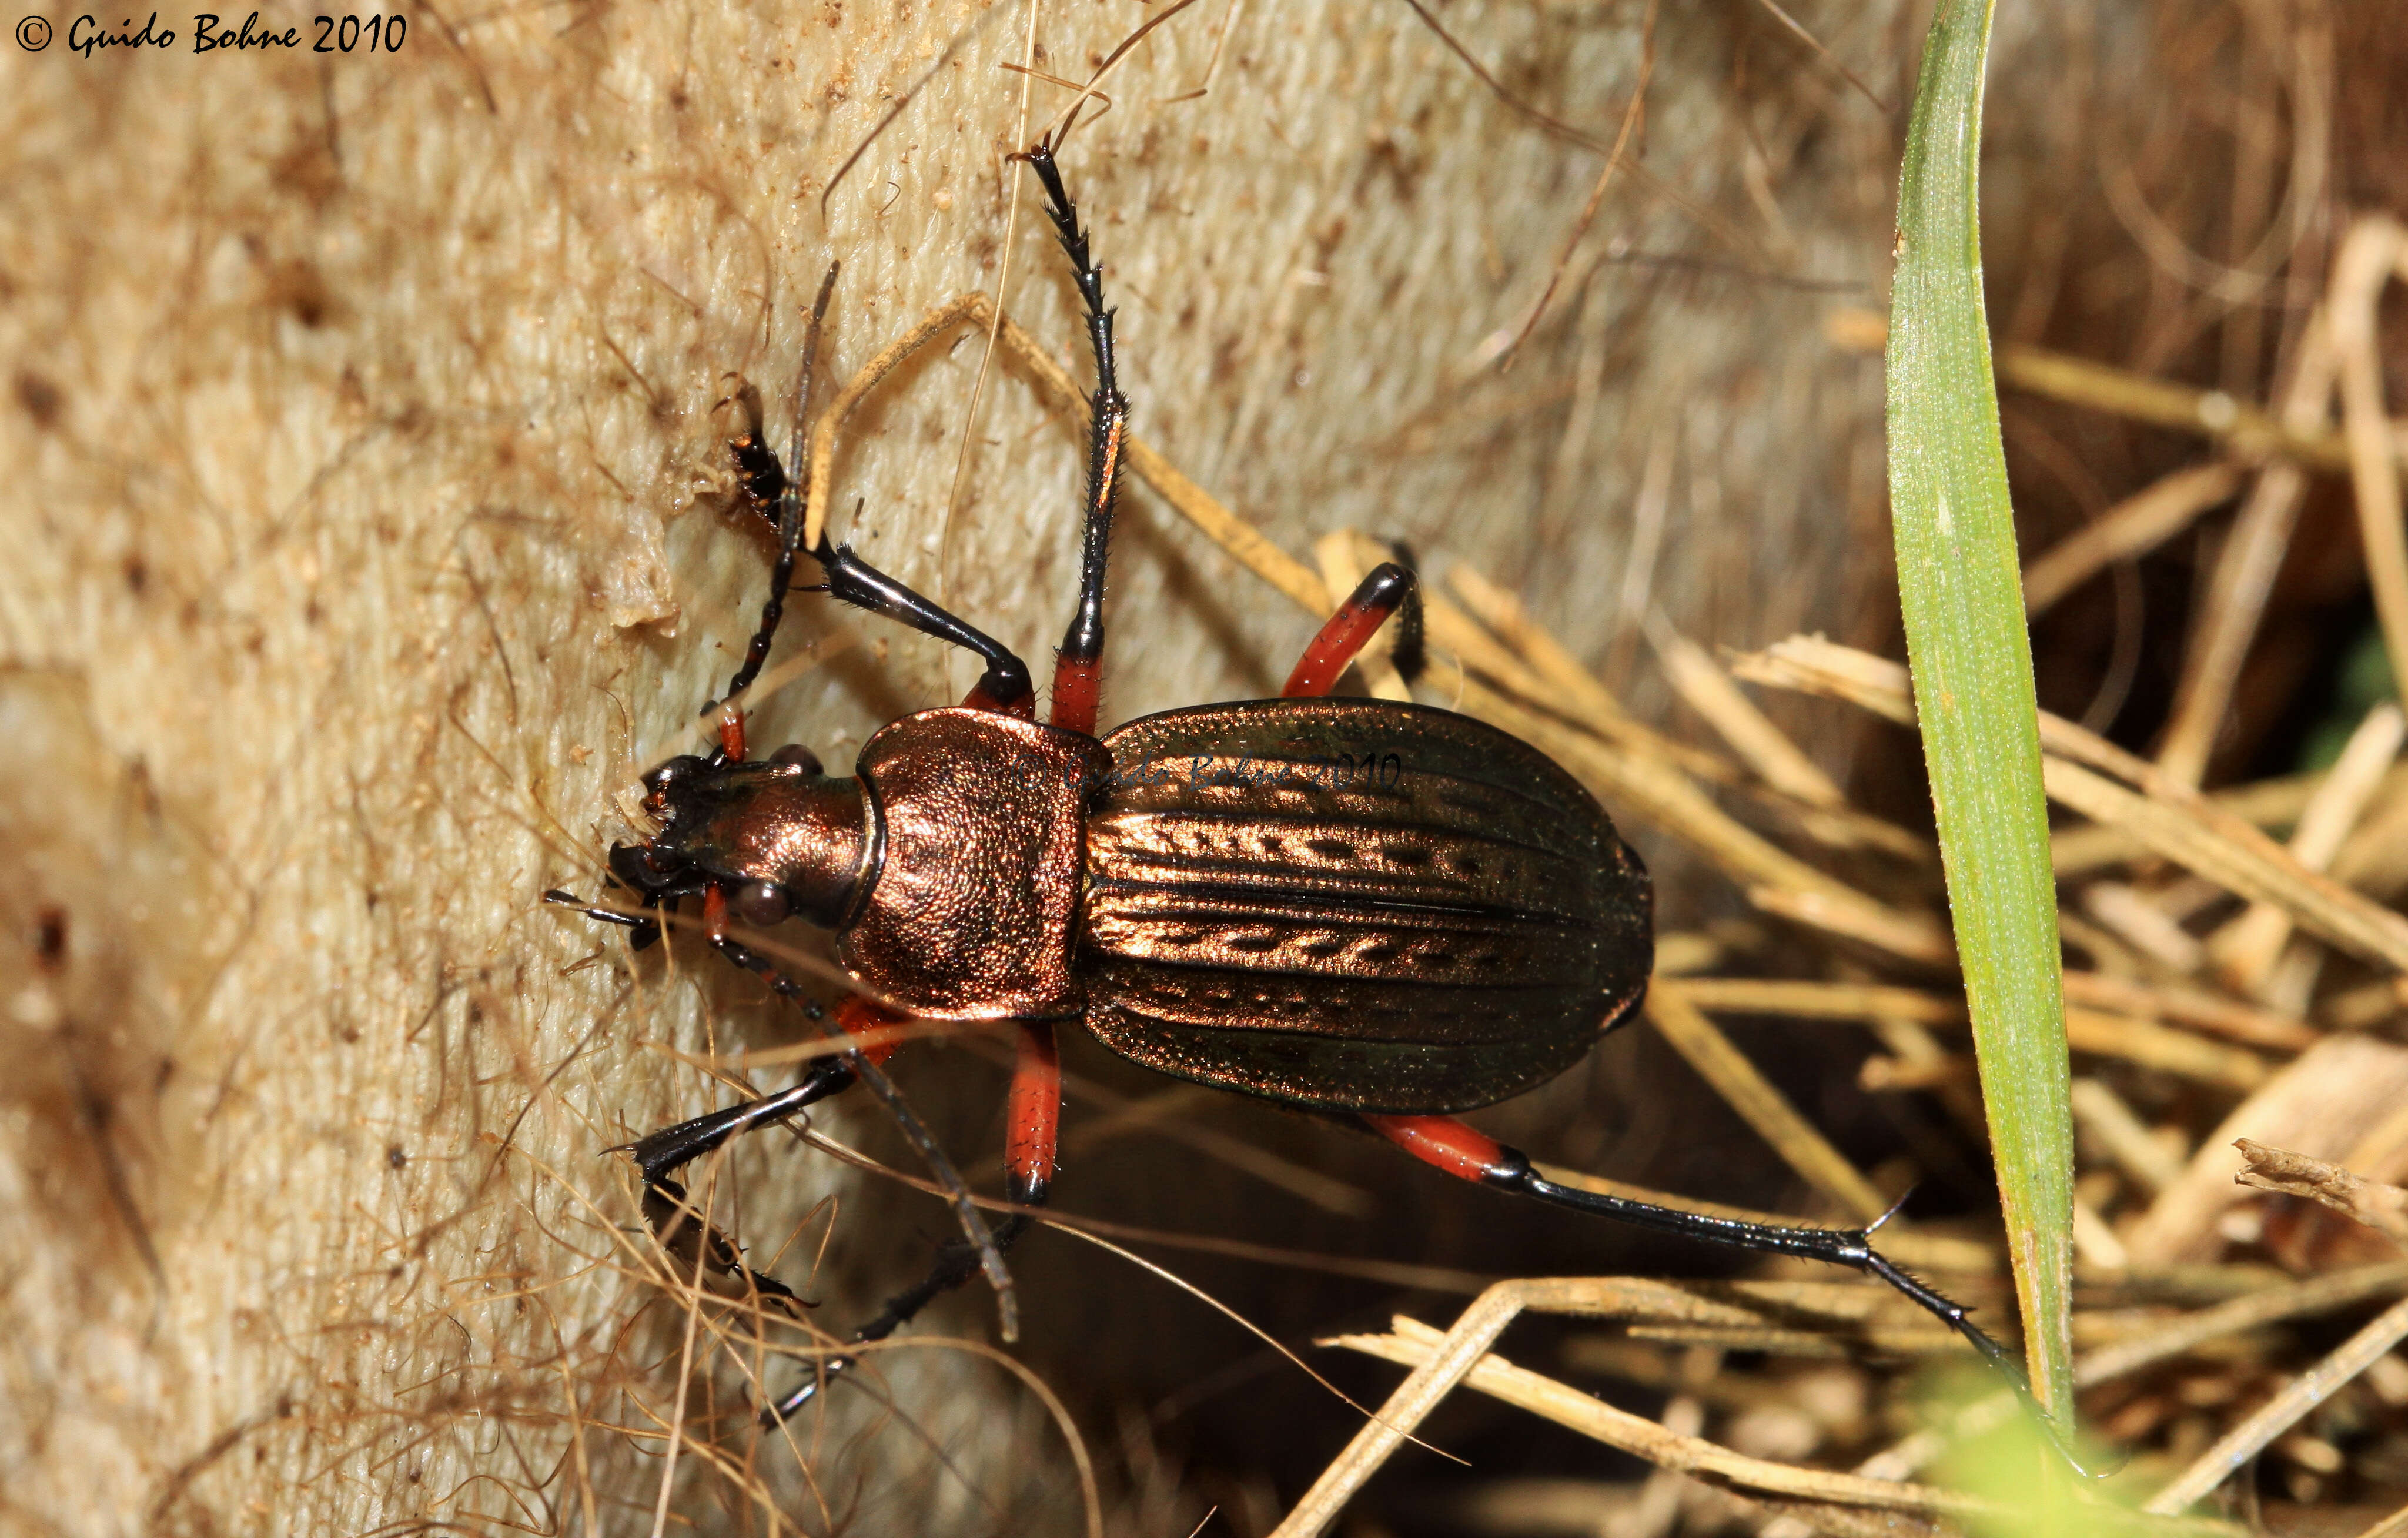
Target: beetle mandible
{"type": "Point", "coordinates": [1227, 894]}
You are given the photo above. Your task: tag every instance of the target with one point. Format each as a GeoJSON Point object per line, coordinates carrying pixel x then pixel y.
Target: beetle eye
{"type": "Point", "coordinates": [796, 756]}
{"type": "Point", "coordinates": [763, 903]}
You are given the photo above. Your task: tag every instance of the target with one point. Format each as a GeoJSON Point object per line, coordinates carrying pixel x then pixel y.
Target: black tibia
{"type": "Point", "coordinates": [1108, 412]}
{"type": "Point", "coordinates": [853, 580]}
{"type": "Point", "coordinates": [957, 1260]}
{"type": "Point", "coordinates": [673, 1220]}
{"type": "Point", "coordinates": [671, 1148]}
{"type": "Point", "coordinates": [1409, 651]}
{"type": "Point", "coordinates": [1850, 1247]}
{"type": "Point", "coordinates": [775, 497]}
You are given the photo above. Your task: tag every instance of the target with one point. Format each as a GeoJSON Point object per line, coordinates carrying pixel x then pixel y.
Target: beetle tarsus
{"type": "Point", "coordinates": [692, 1242]}
{"type": "Point", "coordinates": [1849, 1247]}
{"type": "Point", "coordinates": [824, 1371]}
{"type": "Point", "coordinates": [1090, 277]}
{"type": "Point", "coordinates": [957, 1260]}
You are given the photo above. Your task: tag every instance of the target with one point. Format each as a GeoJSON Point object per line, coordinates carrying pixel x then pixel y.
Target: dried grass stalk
{"type": "Point", "coordinates": [2322, 1104]}
{"type": "Point", "coordinates": [2378, 1205]}
{"type": "Point", "coordinates": [2289, 1405]}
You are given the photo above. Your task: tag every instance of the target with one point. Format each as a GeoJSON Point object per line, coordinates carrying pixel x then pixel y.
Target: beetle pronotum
{"type": "Point", "coordinates": [1222, 893]}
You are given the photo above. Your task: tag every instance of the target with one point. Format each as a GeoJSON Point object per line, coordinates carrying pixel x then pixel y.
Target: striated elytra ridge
{"type": "Point", "coordinates": [1354, 905]}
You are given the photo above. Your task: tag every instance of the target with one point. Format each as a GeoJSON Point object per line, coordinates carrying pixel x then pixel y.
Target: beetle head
{"type": "Point", "coordinates": [775, 837]}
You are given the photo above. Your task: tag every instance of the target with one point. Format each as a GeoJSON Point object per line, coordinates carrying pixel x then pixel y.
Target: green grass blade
{"type": "Point", "coordinates": [1962, 594]}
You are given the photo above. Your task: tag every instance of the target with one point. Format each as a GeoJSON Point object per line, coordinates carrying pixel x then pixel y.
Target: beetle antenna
{"type": "Point", "coordinates": [1077, 666]}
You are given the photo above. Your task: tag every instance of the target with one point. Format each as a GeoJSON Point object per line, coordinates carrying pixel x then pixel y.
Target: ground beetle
{"type": "Point", "coordinates": [1382, 912]}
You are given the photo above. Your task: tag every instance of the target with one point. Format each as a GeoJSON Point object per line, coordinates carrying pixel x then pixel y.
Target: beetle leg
{"type": "Point", "coordinates": [1032, 1121]}
{"type": "Point", "coordinates": [1034, 1116]}
{"type": "Point", "coordinates": [906, 1121]}
{"type": "Point", "coordinates": [1469, 1154]}
{"type": "Point", "coordinates": [664, 1151]}
{"type": "Point", "coordinates": [782, 502]}
{"type": "Point", "coordinates": [1004, 686]}
{"type": "Point", "coordinates": [1078, 665]}
{"type": "Point", "coordinates": [1389, 588]}
{"type": "Point", "coordinates": [660, 1155]}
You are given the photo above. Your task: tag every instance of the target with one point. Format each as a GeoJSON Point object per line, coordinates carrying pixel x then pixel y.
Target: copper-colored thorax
{"type": "Point", "coordinates": [973, 907]}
